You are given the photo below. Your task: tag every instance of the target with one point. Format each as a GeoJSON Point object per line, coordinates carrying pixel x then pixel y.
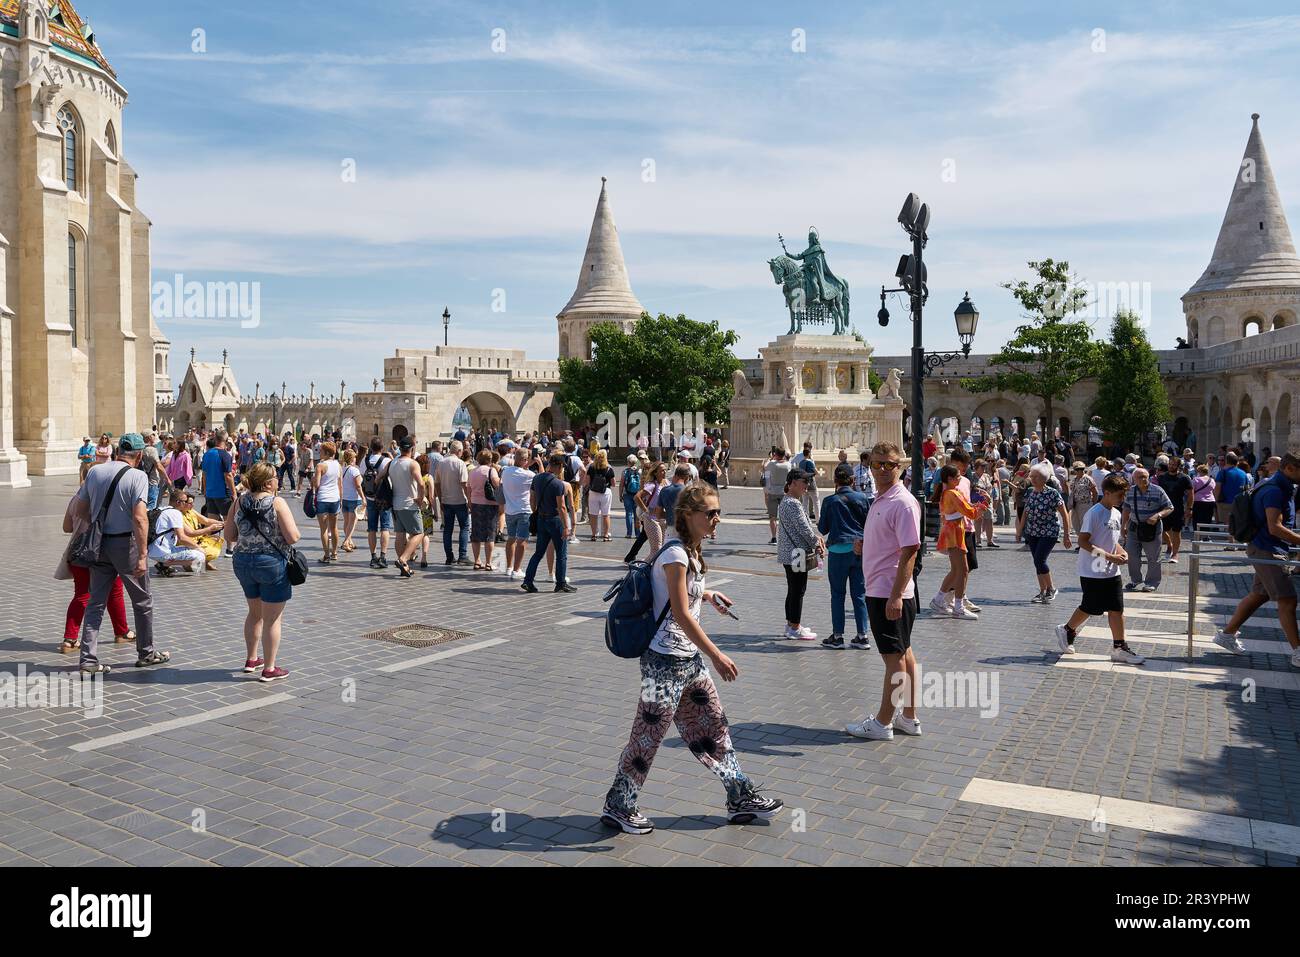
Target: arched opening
{"type": "Point", "coordinates": [1182, 429]}
{"type": "Point", "coordinates": [1245, 429]}
{"type": "Point", "coordinates": [977, 430]}
{"type": "Point", "coordinates": [1193, 331]}
{"type": "Point", "coordinates": [948, 424]}
{"type": "Point", "coordinates": [194, 393]}
{"type": "Point", "coordinates": [907, 426]}
{"type": "Point", "coordinates": [1283, 319]}
{"type": "Point", "coordinates": [1214, 427]}
{"type": "Point", "coordinates": [230, 424]}
{"type": "Point", "coordinates": [1063, 428]}
{"type": "Point", "coordinates": [1251, 326]}
{"type": "Point", "coordinates": [489, 412]}
{"type": "Point", "coordinates": [1266, 445]}
{"type": "Point", "coordinates": [399, 432]}
{"type": "Point", "coordinates": [74, 313]}
{"type": "Point", "coordinates": [158, 364]}
{"type": "Point", "coordinates": [546, 421]}
{"type": "Point", "coordinates": [1018, 428]}
{"type": "Point", "coordinates": [1282, 426]}
{"type": "Point", "coordinates": [110, 138]}
{"type": "Point", "coordinates": [1214, 331]}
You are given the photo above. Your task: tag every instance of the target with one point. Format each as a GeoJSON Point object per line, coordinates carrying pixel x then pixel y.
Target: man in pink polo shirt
{"type": "Point", "coordinates": [891, 539]}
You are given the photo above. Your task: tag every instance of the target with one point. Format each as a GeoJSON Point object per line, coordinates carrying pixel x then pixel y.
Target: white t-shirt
{"type": "Point", "coordinates": [1103, 524]}
{"type": "Point", "coordinates": [517, 482]}
{"type": "Point", "coordinates": [164, 545]}
{"type": "Point", "coordinates": [1098, 475]}
{"type": "Point", "coordinates": [670, 639]}
{"type": "Point", "coordinates": [350, 476]}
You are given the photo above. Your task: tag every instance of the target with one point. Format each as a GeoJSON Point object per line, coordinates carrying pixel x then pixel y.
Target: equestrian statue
{"type": "Point", "coordinates": [813, 294]}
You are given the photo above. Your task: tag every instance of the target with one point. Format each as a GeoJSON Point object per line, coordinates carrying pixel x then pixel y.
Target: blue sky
{"type": "Point", "coordinates": [1030, 133]}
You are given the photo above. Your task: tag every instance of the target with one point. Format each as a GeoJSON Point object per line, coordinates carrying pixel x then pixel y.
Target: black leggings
{"type": "Point", "coordinates": [796, 583]}
{"type": "Point", "coordinates": [636, 545]}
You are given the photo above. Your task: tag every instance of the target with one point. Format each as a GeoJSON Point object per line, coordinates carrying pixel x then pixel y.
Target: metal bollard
{"type": "Point", "coordinates": [1193, 572]}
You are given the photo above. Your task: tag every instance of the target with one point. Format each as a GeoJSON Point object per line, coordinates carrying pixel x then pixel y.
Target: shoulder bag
{"type": "Point", "coordinates": [295, 564]}
{"type": "Point", "coordinates": [85, 546]}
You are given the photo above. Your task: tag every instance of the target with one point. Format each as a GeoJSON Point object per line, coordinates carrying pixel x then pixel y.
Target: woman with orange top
{"type": "Point", "coordinates": [954, 509]}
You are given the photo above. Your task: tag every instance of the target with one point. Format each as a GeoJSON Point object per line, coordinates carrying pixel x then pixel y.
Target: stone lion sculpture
{"type": "Point", "coordinates": [789, 382]}
{"type": "Point", "coordinates": [891, 389]}
{"type": "Point", "coordinates": [741, 385]}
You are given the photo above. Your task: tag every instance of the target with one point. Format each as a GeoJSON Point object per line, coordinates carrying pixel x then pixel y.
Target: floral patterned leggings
{"type": "Point", "coordinates": [679, 690]}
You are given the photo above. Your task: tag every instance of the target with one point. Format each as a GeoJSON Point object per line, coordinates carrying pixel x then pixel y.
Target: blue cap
{"type": "Point", "coordinates": [131, 442]}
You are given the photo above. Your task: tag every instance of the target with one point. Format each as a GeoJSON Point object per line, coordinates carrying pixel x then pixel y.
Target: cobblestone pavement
{"type": "Point", "coordinates": [501, 753]}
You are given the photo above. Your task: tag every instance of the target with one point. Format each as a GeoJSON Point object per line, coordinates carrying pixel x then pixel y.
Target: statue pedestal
{"type": "Point", "coordinates": [815, 389]}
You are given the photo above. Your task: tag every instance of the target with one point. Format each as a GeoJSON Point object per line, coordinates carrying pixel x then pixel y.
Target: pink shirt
{"type": "Point", "coordinates": [1202, 489]}
{"type": "Point", "coordinates": [477, 479]}
{"type": "Point", "coordinates": [893, 523]}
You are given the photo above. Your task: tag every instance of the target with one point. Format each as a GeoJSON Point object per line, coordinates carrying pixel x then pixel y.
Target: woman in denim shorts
{"type": "Point", "coordinates": [261, 529]}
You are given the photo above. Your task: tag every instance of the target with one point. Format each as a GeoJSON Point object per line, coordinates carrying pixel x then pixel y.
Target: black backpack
{"type": "Point", "coordinates": [570, 473]}
{"type": "Point", "coordinates": [1242, 524]}
{"type": "Point", "coordinates": [370, 483]}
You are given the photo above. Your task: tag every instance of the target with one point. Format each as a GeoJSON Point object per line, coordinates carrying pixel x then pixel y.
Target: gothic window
{"type": "Point", "coordinates": [110, 139]}
{"type": "Point", "coordinates": [67, 121]}
{"type": "Point", "coordinates": [72, 286]}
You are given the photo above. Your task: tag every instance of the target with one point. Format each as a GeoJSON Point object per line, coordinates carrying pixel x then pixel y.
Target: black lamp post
{"type": "Point", "coordinates": [446, 323]}
{"type": "Point", "coordinates": [911, 274]}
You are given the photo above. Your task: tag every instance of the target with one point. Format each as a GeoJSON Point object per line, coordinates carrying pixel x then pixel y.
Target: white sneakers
{"type": "Point", "coordinates": [962, 613]}
{"type": "Point", "coordinates": [910, 726]}
{"type": "Point", "coordinates": [872, 730]}
{"type": "Point", "coordinates": [948, 607]}
{"type": "Point", "coordinates": [941, 604]}
{"type": "Point", "coordinates": [802, 633]}
{"type": "Point", "coordinates": [1126, 655]}
{"type": "Point", "coordinates": [1063, 641]}
{"type": "Point", "coordinates": [971, 606]}
{"type": "Point", "coordinates": [1228, 641]}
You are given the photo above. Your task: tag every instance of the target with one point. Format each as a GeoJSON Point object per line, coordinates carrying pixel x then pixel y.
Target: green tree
{"type": "Point", "coordinates": [1131, 398]}
{"type": "Point", "coordinates": [666, 364]}
{"type": "Point", "coordinates": [1052, 351]}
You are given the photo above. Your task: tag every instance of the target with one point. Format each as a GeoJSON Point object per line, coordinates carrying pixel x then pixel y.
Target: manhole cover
{"type": "Point", "coordinates": [749, 553]}
{"type": "Point", "coordinates": [416, 636]}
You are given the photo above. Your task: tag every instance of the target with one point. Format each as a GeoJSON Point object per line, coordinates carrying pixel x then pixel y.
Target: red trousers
{"type": "Point", "coordinates": [81, 598]}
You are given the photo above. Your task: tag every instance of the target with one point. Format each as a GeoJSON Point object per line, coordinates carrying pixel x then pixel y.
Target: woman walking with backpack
{"type": "Point", "coordinates": [675, 684]}
{"type": "Point", "coordinates": [629, 484]}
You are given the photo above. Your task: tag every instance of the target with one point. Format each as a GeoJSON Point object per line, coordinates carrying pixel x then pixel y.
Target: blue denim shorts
{"type": "Point", "coordinates": [517, 526]}
{"type": "Point", "coordinates": [348, 507]}
{"type": "Point", "coordinates": [327, 508]}
{"type": "Point", "coordinates": [377, 521]}
{"type": "Point", "coordinates": [263, 575]}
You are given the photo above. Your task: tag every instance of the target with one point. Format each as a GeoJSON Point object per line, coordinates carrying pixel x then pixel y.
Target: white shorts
{"type": "Point", "coordinates": [598, 503]}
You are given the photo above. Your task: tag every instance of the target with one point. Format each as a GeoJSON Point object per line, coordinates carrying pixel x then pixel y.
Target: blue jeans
{"type": "Point", "coordinates": [263, 576]}
{"type": "Point", "coordinates": [845, 567]}
{"type": "Point", "coordinates": [153, 497]}
{"type": "Point", "coordinates": [550, 530]}
{"type": "Point", "coordinates": [629, 514]}
{"type": "Point", "coordinates": [451, 514]}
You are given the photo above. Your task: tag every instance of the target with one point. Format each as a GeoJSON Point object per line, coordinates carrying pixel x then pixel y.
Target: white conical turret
{"type": "Point", "coordinates": [1254, 248]}
{"type": "Point", "coordinates": [603, 293]}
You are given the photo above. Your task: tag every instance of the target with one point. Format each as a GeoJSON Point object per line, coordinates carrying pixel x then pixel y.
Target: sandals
{"type": "Point", "coordinates": [128, 638]}
{"type": "Point", "coordinates": [403, 569]}
{"type": "Point", "coordinates": [68, 647]}
{"type": "Point", "coordinates": [154, 658]}
{"type": "Point", "coordinates": [349, 546]}
{"type": "Point", "coordinates": [88, 671]}
{"type": "Point", "coordinates": [478, 566]}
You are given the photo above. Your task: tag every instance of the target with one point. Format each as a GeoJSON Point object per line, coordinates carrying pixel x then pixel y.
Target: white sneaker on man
{"type": "Point", "coordinates": [910, 726]}
{"type": "Point", "coordinates": [871, 729]}
{"type": "Point", "coordinates": [1063, 641]}
{"type": "Point", "coordinates": [1228, 641]}
{"type": "Point", "coordinates": [971, 606]}
{"type": "Point", "coordinates": [942, 604]}
{"type": "Point", "coordinates": [1126, 655]}
{"type": "Point", "coordinates": [963, 614]}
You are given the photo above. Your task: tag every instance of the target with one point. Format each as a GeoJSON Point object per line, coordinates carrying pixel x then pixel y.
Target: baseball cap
{"type": "Point", "coordinates": [406, 442]}
{"type": "Point", "coordinates": [131, 442]}
{"type": "Point", "coordinates": [843, 473]}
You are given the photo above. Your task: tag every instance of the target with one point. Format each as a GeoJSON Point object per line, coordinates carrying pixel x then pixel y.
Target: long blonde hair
{"type": "Point", "coordinates": [693, 499]}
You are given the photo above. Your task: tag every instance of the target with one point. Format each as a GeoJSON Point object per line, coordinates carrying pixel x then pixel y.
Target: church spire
{"type": "Point", "coordinates": [1254, 249]}
{"type": "Point", "coordinates": [603, 285]}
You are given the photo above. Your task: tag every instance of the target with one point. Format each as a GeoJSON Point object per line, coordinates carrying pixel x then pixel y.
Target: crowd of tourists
{"type": "Point", "coordinates": [532, 496]}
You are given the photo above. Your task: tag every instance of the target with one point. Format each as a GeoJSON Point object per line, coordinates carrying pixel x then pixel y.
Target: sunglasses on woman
{"type": "Point", "coordinates": [714, 514]}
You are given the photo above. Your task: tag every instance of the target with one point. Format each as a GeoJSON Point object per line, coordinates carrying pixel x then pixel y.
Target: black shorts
{"type": "Point", "coordinates": [1101, 595]}
{"type": "Point", "coordinates": [972, 546]}
{"type": "Point", "coordinates": [1174, 522]}
{"type": "Point", "coordinates": [892, 637]}
{"type": "Point", "coordinates": [216, 507]}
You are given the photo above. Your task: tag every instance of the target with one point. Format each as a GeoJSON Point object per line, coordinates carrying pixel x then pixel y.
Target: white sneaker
{"type": "Point", "coordinates": [1050, 596]}
{"type": "Point", "coordinates": [1126, 655]}
{"type": "Point", "coordinates": [942, 605]}
{"type": "Point", "coordinates": [910, 726]}
{"type": "Point", "coordinates": [805, 634]}
{"type": "Point", "coordinates": [971, 606]}
{"type": "Point", "coordinates": [1063, 640]}
{"type": "Point", "coordinates": [1145, 587]}
{"type": "Point", "coordinates": [1173, 561]}
{"type": "Point", "coordinates": [964, 614]}
{"type": "Point", "coordinates": [871, 729]}
{"type": "Point", "coordinates": [1229, 641]}
{"type": "Point", "coordinates": [1295, 658]}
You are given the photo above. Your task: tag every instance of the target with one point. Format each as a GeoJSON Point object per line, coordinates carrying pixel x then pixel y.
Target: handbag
{"type": "Point", "coordinates": [295, 567]}
{"type": "Point", "coordinates": [85, 546]}
{"type": "Point", "coordinates": [1145, 531]}
{"type": "Point", "coordinates": [309, 503]}
{"type": "Point", "coordinates": [488, 492]}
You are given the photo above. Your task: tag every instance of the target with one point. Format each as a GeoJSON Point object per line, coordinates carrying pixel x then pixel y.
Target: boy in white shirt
{"type": "Point", "coordinates": [1101, 553]}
